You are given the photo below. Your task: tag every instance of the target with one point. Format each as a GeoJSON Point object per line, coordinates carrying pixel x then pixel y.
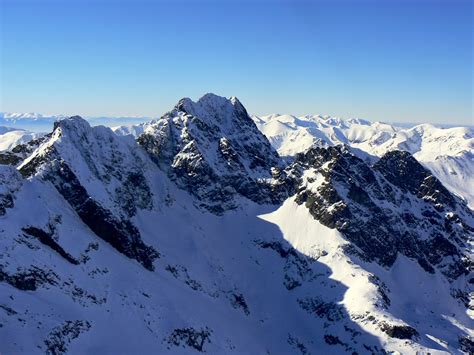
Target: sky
{"type": "Point", "coordinates": [382, 60]}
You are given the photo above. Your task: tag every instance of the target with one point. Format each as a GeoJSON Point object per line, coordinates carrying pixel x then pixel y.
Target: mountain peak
{"type": "Point", "coordinates": [213, 108]}
{"type": "Point", "coordinates": [209, 144]}
{"type": "Point", "coordinates": [74, 122]}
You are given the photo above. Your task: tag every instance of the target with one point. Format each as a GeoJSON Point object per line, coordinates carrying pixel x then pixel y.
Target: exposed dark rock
{"type": "Point", "coordinates": [332, 340]}
{"type": "Point", "coordinates": [316, 306]}
{"type": "Point", "coordinates": [402, 170]}
{"type": "Point", "coordinates": [465, 295]}
{"type": "Point", "coordinates": [297, 345]}
{"type": "Point", "coordinates": [238, 301]}
{"type": "Point", "coordinates": [121, 234]}
{"type": "Point", "coordinates": [190, 337]}
{"type": "Point", "coordinates": [34, 164]}
{"type": "Point", "coordinates": [398, 331]}
{"type": "Point", "coordinates": [9, 158]}
{"type": "Point", "coordinates": [181, 273]}
{"type": "Point", "coordinates": [6, 201]}
{"type": "Point", "coordinates": [47, 239]}
{"type": "Point", "coordinates": [9, 311]}
{"type": "Point", "coordinates": [375, 209]}
{"type": "Point", "coordinates": [382, 290]}
{"type": "Point", "coordinates": [134, 193]}
{"type": "Point", "coordinates": [82, 296]}
{"type": "Point", "coordinates": [21, 151]}
{"type": "Point", "coordinates": [466, 344]}
{"type": "Point", "coordinates": [296, 267]}
{"type": "Point", "coordinates": [10, 183]}
{"type": "Point", "coordinates": [28, 148]}
{"type": "Point", "coordinates": [214, 150]}
{"type": "Point", "coordinates": [29, 279]}
{"type": "Point", "coordinates": [59, 338]}
{"type": "Point", "coordinates": [118, 232]}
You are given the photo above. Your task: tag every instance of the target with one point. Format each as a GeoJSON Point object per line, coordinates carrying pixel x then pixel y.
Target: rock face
{"type": "Point", "coordinates": [10, 183]}
{"type": "Point", "coordinates": [198, 237]}
{"type": "Point", "coordinates": [113, 184]}
{"type": "Point", "coordinates": [212, 149]}
{"type": "Point", "coordinates": [403, 171]}
{"type": "Point", "coordinates": [395, 207]}
{"type": "Point", "coordinates": [21, 151]}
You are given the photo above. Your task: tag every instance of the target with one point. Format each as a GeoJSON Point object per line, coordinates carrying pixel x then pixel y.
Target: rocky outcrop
{"type": "Point", "coordinates": [10, 183]}
{"type": "Point", "coordinates": [403, 171]}
{"type": "Point", "coordinates": [21, 151]}
{"type": "Point", "coordinates": [391, 208]}
{"type": "Point", "coordinates": [121, 234]}
{"type": "Point", "coordinates": [399, 331]}
{"type": "Point", "coordinates": [190, 337]}
{"type": "Point", "coordinates": [47, 239]}
{"type": "Point", "coordinates": [29, 279]}
{"type": "Point", "coordinates": [59, 338]}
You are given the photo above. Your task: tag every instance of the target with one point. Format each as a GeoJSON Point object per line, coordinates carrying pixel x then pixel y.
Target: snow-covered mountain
{"type": "Point", "coordinates": [11, 137]}
{"type": "Point", "coordinates": [447, 152]}
{"type": "Point", "coordinates": [38, 122]}
{"type": "Point", "coordinates": [198, 237]}
{"type": "Point", "coordinates": [30, 121]}
{"type": "Point", "coordinates": [212, 149]}
{"type": "Point", "coordinates": [30, 116]}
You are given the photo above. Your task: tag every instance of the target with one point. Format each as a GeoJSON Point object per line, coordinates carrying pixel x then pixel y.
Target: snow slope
{"type": "Point", "coordinates": [11, 137]}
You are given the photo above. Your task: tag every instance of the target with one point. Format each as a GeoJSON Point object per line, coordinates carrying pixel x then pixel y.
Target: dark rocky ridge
{"type": "Point", "coordinates": [22, 151]}
{"type": "Point", "coordinates": [29, 279]}
{"type": "Point", "coordinates": [10, 183]}
{"type": "Point", "coordinates": [48, 240]}
{"type": "Point", "coordinates": [214, 150]}
{"type": "Point", "coordinates": [403, 171]}
{"type": "Point", "coordinates": [376, 208]}
{"type": "Point", "coordinates": [120, 233]}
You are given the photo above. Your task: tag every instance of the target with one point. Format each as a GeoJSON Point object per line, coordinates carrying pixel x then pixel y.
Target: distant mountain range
{"type": "Point", "coordinates": [42, 122]}
{"type": "Point", "coordinates": [37, 122]}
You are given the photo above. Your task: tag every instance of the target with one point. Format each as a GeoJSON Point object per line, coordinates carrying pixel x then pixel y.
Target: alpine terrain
{"type": "Point", "coordinates": [447, 152]}
{"type": "Point", "coordinates": [211, 231]}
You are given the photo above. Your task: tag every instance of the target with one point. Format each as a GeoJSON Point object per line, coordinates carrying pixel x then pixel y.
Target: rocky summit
{"type": "Point", "coordinates": [212, 149]}
{"type": "Point", "coordinates": [198, 236]}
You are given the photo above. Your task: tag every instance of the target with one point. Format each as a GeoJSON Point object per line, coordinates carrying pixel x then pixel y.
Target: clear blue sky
{"type": "Point", "coordinates": [391, 60]}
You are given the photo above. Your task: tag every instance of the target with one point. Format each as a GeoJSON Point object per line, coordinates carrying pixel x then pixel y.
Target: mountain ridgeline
{"type": "Point", "coordinates": [197, 236]}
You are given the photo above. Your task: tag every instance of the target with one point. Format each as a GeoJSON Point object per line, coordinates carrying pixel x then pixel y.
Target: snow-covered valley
{"type": "Point", "coordinates": [197, 233]}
